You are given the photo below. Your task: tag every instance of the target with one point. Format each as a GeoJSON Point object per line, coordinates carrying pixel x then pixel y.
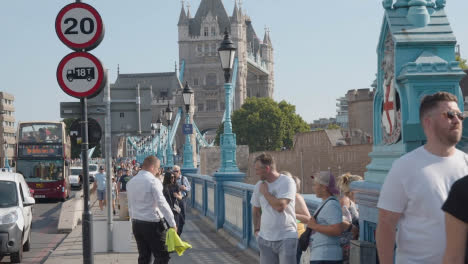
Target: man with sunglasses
{"type": "Point", "coordinates": [418, 184]}
{"type": "Point", "coordinates": [184, 186]}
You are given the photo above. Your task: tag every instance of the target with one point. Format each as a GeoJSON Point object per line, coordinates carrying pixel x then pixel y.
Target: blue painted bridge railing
{"type": "Point", "coordinates": [237, 212]}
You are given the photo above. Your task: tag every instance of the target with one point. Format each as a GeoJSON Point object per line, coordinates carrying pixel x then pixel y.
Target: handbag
{"type": "Point", "coordinates": [175, 208]}
{"type": "Point", "coordinates": [304, 239]}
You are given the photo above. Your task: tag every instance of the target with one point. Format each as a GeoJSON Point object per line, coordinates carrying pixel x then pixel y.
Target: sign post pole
{"type": "Point", "coordinates": [79, 74]}
{"type": "Point", "coordinates": [108, 146]}
{"type": "Point", "coordinates": [87, 215]}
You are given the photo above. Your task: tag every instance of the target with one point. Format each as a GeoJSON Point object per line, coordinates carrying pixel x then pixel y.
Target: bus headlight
{"type": "Point", "coordinates": [9, 218]}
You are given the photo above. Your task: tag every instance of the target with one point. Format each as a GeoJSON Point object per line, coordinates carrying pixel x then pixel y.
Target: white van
{"type": "Point", "coordinates": [74, 177]}
{"type": "Point", "coordinates": [16, 204]}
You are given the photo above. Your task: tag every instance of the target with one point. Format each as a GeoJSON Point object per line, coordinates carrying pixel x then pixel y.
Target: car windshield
{"type": "Point", "coordinates": [75, 171]}
{"type": "Point", "coordinates": [93, 168]}
{"type": "Point", "coordinates": [40, 170]}
{"type": "Point", "coordinates": [8, 195]}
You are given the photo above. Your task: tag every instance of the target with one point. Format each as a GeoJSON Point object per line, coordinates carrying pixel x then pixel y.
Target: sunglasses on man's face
{"type": "Point", "coordinates": [451, 115]}
{"type": "Point", "coordinates": [176, 171]}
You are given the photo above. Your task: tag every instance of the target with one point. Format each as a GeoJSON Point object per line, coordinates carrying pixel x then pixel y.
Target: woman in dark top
{"type": "Point", "coordinates": [456, 223]}
{"type": "Point", "coordinates": [173, 196]}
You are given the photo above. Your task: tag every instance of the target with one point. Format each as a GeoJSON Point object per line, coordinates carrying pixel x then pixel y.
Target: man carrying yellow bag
{"type": "Point", "coordinates": [174, 243]}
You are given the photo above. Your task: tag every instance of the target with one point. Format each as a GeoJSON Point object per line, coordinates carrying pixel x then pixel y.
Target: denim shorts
{"type": "Point", "coordinates": [101, 195]}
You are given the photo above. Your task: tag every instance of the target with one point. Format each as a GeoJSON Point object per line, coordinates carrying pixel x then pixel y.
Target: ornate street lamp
{"type": "Point", "coordinates": [227, 53]}
{"type": "Point", "coordinates": [188, 151]}
{"type": "Point", "coordinates": [169, 154]}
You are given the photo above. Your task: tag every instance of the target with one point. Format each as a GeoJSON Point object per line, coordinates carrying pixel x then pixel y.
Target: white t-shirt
{"type": "Point", "coordinates": [416, 186]}
{"type": "Point", "coordinates": [275, 226]}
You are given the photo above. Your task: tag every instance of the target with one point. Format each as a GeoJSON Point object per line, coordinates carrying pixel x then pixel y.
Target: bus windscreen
{"type": "Point", "coordinates": [41, 170]}
{"type": "Point", "coordinates": [40, 133]}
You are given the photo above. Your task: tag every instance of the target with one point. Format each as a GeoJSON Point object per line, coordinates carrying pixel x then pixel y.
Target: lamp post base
{"type": "Point", "coordinates": [228, 153]}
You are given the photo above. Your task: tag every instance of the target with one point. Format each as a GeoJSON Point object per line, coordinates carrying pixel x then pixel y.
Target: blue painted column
{"type": "Point", "coordinates": [228, 139]}
{"type": "Point", "coordinates": [228, 170]}
{"type": "Point", "coordinates": [169, 153]}
{"type": "Point", "coordinates": [188, 152]}
{"type": "Point", "coordinates": [159, 151]}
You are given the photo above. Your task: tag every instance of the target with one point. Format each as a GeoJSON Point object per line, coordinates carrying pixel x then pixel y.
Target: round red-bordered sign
{"type": "Point", "coordinates": [79, 26]}
{"type": "Point", "coordinates": [81, 75]}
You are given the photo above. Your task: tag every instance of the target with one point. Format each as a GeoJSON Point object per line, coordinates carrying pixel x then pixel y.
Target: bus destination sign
{"type": "Point", "coordinates": [52, 151]}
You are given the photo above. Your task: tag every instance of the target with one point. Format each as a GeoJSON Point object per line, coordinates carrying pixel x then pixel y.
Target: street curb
{"type": "Point", "coordinates": [71, 213]}
{"type": "Point", "coordinates": [228, 237]}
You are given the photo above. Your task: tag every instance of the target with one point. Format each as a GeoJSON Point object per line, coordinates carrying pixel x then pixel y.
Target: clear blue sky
{"type": "Point", "coordinates": [322, 48]}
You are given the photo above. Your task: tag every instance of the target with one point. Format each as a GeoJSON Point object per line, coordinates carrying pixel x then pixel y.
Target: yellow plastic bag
{"type": "Point", "coordinates": [174, 243]}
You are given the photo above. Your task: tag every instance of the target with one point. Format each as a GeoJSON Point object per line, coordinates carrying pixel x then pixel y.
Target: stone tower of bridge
{"type": "Point", "coordinates": [199, 39]}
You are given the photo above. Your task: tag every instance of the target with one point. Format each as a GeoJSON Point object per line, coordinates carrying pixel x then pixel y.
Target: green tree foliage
{"type": "Point", "coordinates": [462, 62]}
{"type": "Point", "coordinates": [264, 124]}
{"type": "Point", "coordinates": [75, 148]}
{"type": "Point", "coordinates": [333, 126]}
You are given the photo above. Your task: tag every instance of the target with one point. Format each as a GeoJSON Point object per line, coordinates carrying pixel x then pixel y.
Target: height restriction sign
{"type": "Point", "coordinates": [79, 26]}
{"type": "Point", "coordinates": [81, 75]}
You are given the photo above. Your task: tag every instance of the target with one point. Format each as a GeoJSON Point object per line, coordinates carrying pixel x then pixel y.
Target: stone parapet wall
{"type": "Point", "coordinates": [210, 159]}
{"type": "Point", "coordinates": [313, 152]}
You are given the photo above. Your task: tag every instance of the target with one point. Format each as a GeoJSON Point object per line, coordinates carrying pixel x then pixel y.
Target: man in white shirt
{"type": "Point", "coordinates": [417, 185]}
{"type": "Point", "coordinates": [274, 217]}
{"type": "Point", "coordinates": [145, 201]}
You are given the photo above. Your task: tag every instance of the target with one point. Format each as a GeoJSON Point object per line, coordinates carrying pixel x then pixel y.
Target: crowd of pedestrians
{"type": "Point", "coordinates": [421, 217]}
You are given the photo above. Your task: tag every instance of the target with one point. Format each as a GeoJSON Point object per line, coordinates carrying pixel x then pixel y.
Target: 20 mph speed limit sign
{"type": "Point", "coordinates": [79, 26]}
{"type": "Point", "coordinates": [81, 75]}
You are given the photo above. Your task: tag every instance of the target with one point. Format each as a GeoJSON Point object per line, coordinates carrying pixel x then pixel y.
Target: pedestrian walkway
{"type": "Point", "coordinates": [208, 246]}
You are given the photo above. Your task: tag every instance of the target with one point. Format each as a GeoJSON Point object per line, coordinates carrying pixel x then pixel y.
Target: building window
{"type": "Point", "coordinates": [122, 115]}
{"type": "Point", "coordinates": [195, 81]}
{"type": "Point", "coordinates": [211, 105]}
{"type": "Point", "coordinates": [199, 48]}
{"type": "Point", "coordinates": [205, 32]}
{"type": "Point", "coordinates": [211, 79]}
{"type": "Point", "coordinates": [213, 31]}
{"type": "Point", "coordinates": [163, 94]}
{"type": "Point", "coordinates": [201, 107]}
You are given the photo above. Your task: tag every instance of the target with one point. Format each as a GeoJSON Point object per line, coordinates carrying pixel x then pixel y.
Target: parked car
{"type": "Point", "coordinates": [76, 177]}
{"type": "Point", "coordinates": [16, 203]}
{"type": "Point", "coordinates": [92, 170]}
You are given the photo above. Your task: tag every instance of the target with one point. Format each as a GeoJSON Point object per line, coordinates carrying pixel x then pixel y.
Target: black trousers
{"type": "Point", "coordinates": [151, 239]}
{"type": "Point", "coordinates": [181, 222]}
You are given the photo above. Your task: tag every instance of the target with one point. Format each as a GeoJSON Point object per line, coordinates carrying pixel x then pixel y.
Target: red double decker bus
{"type": "Point", "coordinates": [42, 157]}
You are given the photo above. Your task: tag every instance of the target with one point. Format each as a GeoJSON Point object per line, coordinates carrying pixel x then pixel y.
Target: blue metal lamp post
{"type": "Point", "coordinates": [227, 53]}
{"type": "Point", "coordinates": [7, 164]}
{"type": "Point", "coordinates": [169, 155]}
{"type": "Point", "coordinates": [188, 152]}
{"type": "Point", "coordinates": [159, 153]}
{"type": "Point", "coordinates": [228, 170]}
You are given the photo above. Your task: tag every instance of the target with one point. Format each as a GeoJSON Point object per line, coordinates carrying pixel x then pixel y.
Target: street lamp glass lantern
{"type": "Point", "coordinates": [158, 124]}
{"type": "Point", "coordinates": [168, 113]}
{"type": "Point", "coordinates": [188, 95]}
{"type": "Point", "coordinates": [227, 52]}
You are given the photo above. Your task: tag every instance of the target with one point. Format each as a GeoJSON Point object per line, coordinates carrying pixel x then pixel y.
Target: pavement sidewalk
{"type": "Point", "coordinates": [208, 246]}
